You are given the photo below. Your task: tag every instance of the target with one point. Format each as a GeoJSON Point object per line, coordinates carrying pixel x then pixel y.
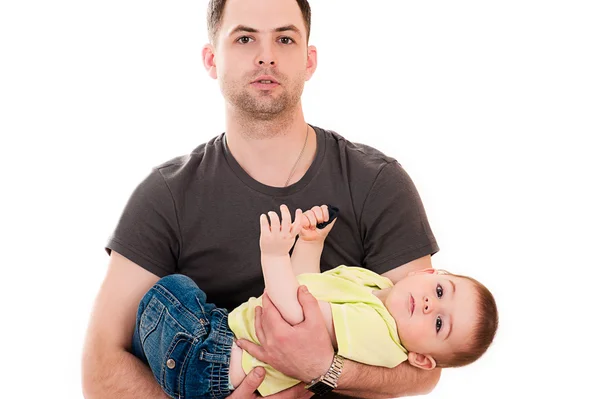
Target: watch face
{"type": "Point", "coordinates": [320, 388]}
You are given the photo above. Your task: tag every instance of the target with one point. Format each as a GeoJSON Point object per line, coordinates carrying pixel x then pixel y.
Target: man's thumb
{"type": "Point", "coordinates": [250, 383]}
{"type": "Point", "coordinates": [306, 298]}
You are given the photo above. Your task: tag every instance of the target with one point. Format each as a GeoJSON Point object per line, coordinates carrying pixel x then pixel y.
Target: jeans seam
{"type": "Point", "coordinates": [182, 374]}
{"type": "Point", "coordinates": [168, 295]}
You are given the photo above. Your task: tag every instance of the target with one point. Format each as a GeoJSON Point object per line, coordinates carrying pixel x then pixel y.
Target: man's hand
{"type": "Point", "coordinates": [247, 388]}
{"type": "Point", "coordinates": [249, 385]}
{"type": "Point", "coordinates": [303, 351]}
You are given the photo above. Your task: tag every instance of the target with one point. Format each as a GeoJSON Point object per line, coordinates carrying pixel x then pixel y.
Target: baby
{"type": "Point", "coordinates": [430, 318]}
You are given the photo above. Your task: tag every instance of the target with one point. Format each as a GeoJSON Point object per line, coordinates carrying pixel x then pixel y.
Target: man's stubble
{"type": "Point", "coordinates": [255, 106]}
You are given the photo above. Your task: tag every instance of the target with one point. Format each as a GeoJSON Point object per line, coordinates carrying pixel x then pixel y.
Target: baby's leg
{"type": "Point", "coordinates": [185, 341]}
{"type": "Point", "coordinates": [236, 372]}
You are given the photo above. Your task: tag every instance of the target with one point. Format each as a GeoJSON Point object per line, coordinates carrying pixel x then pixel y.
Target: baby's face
{"type": "Point", "coordinates": [435, 313]}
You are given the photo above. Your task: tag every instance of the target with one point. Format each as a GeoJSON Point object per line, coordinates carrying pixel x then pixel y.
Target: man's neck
{"type": "Point", "coordinates": [268, 149]}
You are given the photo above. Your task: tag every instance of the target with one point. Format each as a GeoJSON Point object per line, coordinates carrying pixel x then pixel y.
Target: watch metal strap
{"type": "Point", "coordinates": [328, 381]}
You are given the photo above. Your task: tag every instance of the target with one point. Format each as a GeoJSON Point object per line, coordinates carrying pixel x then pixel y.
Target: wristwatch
{"type": "Point", "coordinates": [328, 381]}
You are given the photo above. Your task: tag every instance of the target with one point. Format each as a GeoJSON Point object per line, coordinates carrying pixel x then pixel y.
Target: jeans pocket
{"type": "Point", "coordinates": [166, 346]}
{"type": "Point", "coordinates": [150, 318]}
{"type": "Point", "coordinates": [175, 365]}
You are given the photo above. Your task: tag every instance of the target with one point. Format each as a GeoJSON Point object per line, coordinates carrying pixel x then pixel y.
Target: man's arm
{"type": "Point", "coordinates": [108, 369]}
{"type": "Point", "coordinates": [370, 382]}
{"type": "Point", "coordinates": [304, 351]}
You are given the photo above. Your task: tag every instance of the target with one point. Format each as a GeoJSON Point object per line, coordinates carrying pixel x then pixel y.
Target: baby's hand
{"type": "Point", "coordinates": [279, 237]}
{"type": "Point", "coordinates": [310, 219]}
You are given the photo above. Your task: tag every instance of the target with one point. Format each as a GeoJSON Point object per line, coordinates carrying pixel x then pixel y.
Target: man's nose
{"type": "Point", "coordinates": [266, 57]}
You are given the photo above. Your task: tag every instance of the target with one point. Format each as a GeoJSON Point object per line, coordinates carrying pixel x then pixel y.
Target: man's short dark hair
{"type": "Point", "coordinates": [214, 16]}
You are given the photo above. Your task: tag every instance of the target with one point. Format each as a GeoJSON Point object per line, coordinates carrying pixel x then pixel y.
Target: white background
{"type": "Point", "coordinates": [492, 107]}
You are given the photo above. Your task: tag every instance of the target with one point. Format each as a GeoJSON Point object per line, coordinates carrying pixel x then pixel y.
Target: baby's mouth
{"type": "Point", "coordinates": [411, 304]}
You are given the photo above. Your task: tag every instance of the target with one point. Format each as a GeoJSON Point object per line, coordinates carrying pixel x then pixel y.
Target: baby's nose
{"type": "Point", "coordinates": [427, 305]}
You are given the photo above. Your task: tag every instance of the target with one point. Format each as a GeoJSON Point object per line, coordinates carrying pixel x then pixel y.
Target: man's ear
{"type": "Point", "coordinates": [311, 62]}
{"type": "Point", "coordinates": [425, 362]}
{"type": "Point", "coordinates": [208, 57]}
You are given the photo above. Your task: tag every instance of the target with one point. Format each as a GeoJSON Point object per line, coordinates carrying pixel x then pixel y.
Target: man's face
{"type": "Point", "coordinates": [435, 313]}
{"type": "Point", "coordinates": [262, 38]}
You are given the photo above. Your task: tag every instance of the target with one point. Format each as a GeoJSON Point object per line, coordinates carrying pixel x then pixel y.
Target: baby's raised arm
{"type": "Point", "coordinates": [316, 225]}
{"type": "Point", "coordinates": [276, 240]}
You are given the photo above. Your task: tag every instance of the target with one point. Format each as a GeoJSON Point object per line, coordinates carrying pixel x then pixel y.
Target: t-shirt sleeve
{"type": "Point", "coordinates": [148, 232]}
{"type": "Point", "coordinates": [393, 223]}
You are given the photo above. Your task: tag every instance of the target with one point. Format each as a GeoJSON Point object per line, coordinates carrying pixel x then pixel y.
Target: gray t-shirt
{"type": "Point", "coordinates": [198, 215]}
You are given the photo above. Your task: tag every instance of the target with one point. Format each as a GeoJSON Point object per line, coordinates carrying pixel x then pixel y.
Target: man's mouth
{"type": "Point", "coordinates": [265, 79]}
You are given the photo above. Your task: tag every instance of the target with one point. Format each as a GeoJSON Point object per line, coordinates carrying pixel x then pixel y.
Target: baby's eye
{"type": "Point", "coordinates": [439, 291]}
{"type": "Point", "coordinates": [438, 324]}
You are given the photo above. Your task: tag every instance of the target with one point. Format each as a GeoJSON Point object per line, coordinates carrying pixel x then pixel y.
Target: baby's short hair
{"type": "Point", "coordinates": [485, 329]}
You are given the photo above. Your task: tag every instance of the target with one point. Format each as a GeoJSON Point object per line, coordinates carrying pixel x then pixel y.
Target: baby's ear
{"type": "Point", "coordinates": [426, 271]}
{"type": "Point", "coordinates": [425, 362]}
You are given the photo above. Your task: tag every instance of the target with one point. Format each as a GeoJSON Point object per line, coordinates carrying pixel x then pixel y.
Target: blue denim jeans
{"type": "Point", "coordinates": [185, 341]}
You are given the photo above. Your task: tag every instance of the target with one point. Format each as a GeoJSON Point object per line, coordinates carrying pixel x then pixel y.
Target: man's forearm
{"type": "Point", "coordinates": [372, 382]}
{"type": "Point", "coordinates": [119, 375]}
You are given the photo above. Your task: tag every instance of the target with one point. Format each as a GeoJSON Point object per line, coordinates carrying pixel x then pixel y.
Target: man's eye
{"type": "Point", "coordinates": [438, 324]}
{"type": "Point", "coordinates": [286, 40]}
{"type": "Point", "coordinates": [244, 39]}
{"type": "Point", "coordinates": [439, 291]}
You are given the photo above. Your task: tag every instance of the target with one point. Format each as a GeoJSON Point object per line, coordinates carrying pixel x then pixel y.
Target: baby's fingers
{"type": "Point", "coordinates": [298, 222]}
{"type": "Point", "coordinates": [312, 219]}
{"type": "Point", "coordinates": [286, 219]}
{"type": "Point", "coordinates": [325, 210]}
{"type": "Point", "coordinates": [275, 225]}
{"type": "Point", "coordinates": [264, 224]}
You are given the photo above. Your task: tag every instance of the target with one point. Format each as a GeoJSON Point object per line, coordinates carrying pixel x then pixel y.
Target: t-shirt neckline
{"type": "Point", "coordinates": [278, 191]}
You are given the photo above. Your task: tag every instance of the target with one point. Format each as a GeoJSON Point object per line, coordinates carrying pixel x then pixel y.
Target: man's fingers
{"type": "Point", "coordinates": [310, 305]}
{"type": "Point", "coordinates": [260, 334]}
{"type": "Point", "coordinates": [253, 349]}
{"type": "Point", "coordinates": [249, 384]}
{"type": "Point", "coordinates": [271, 319]}
{"type": "Point", "coordinates": [266, 301]}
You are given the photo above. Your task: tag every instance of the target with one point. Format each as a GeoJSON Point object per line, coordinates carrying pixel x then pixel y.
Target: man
{"type": "Point", "coordinates": [197, 215]}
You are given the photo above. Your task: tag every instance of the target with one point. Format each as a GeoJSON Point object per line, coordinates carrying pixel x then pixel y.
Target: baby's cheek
{"type": "Point", "coordinates": [413, 336]}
